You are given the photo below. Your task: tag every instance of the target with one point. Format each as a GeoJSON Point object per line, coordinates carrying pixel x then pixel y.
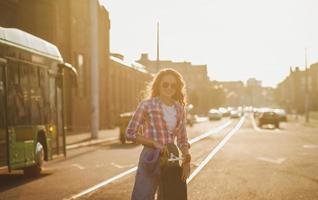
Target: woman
{"type": "Point", "coordinates": [160, 118]}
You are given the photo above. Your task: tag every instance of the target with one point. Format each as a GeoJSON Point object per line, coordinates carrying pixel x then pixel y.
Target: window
{"type": "Point", "coordinates": [36, 100]}
{"type": "Point", "coordinates": [17, 108]}
{"type": "Point", "coordinates": [2, 106]}
{"type": "Point", "coordinates": [44, 91]}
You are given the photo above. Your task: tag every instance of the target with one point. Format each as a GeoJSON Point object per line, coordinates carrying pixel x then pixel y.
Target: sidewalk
{"type": "Point", "coordinates": [84, 139]}
{"type": "Point", "coordinates": [313, 120]}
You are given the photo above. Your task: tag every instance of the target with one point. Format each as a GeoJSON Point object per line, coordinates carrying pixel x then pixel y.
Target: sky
{"type": "Point", "coordinates": [237, 40]}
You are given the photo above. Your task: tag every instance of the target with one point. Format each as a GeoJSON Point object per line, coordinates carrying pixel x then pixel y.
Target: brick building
{"type": "Point", "coordinates": [291, 92]}
{"type": "Point", "coordinates": [195, 76]}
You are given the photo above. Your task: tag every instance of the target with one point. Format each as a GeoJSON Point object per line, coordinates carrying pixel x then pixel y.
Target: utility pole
{"type": "Point", "coordinates": [94, 69]}
{"type": "Point", "coordinates": [306, 89]}
{"type": "Point", "coordinates": [158, 60]}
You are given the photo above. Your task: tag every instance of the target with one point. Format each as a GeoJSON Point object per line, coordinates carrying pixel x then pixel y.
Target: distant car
{"type": "Point", "coordinates": [225, 112]}
{"type": "Point", "coordinates": [191, 119]}
{"type": "Point", "coordinates": [268, 117]}
{"type": "Point", "coordinates": [281, 114]}
{"type": "Point", "coordinates": [235, 114]}
{"type": "Point", "coordinates": [214, 114]}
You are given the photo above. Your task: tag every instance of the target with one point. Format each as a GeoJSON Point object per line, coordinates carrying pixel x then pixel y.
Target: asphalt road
{"type": "Point", "coordinates": [83, 168]}
{"type": "Point", "coordinates": [254, 164]}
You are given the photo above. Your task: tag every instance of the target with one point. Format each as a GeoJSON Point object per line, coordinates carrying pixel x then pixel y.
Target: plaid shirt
{"type": "Point", "coordinates": [148, 120]}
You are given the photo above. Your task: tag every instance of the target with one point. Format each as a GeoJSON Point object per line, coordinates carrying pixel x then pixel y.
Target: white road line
{"type": "Point", "coordinates": [121, 166]}
{"type": "Point", "coordinates": [310, 146]}
{"type": "Point", "coordinates": [216, 149]}
{"type": "Point", "coordinates": [213, 131]}
{"type": "Point", "coordinates": [254, 124]}
{"type": "Point", "coordinates": [106, 182]}
{"type": "Point", "coordinates": [275, 161]}
{"type": "Point", "coordinates": [102, 184]}
{"type": "Point", "coordinates": [78, 166]}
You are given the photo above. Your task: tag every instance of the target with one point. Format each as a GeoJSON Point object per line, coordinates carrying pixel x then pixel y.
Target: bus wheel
{"type": "Point", "coordinates": [36, 169]}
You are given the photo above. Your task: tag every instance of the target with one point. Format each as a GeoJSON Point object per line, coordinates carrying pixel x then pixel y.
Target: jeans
{"type": "Point", "coordinates": [146, 183]}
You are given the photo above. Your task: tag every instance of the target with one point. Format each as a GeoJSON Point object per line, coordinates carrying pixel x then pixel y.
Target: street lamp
{"type": "Point", "coordinates": [306, 89]}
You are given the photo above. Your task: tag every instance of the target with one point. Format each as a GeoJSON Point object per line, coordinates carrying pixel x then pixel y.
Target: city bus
{"type": "Point", "coordinates": [31, 101]}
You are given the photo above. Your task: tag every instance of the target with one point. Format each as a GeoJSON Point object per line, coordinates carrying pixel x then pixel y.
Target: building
{"type": "Point", "coordinates": [234, 92]}
{"type": "Point", "coordinates": [195, 76]}
{"type": "Point", "coordinates": [291, 92]}
{"type": "Point", "coordinates": [66, 24]}
{"type": "Point", "coordinates": [127, 84]}
{"type": "Point", "coordinates": [313, 89]}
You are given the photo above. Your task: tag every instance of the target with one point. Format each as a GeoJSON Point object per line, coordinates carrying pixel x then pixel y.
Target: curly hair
{"type": "Point", "coordinates": [153, 86]}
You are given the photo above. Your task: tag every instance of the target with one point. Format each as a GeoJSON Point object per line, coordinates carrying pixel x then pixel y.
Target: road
{"type": "Point", "coordinates": [252, 164]}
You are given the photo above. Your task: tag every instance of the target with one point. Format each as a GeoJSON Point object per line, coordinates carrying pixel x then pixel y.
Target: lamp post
{"type": "Point", "coordinates": [158, 59]}
{"type": "Point", "coordinates": [306, 89]}
{"type": "Point", "coordinates": [93, 4]}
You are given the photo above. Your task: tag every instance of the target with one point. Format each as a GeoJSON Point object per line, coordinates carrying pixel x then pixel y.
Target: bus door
{"type": "Point", "coordinates": [56, 106]}
{"type": "Point", "coordinates": [3, 127]}
{"type": "Point", "coordinates": [60, 117]}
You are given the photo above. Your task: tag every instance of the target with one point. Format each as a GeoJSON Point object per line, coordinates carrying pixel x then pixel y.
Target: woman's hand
{"type": "Point", "coordinates": [186, 167]}
{"type": "Point", "coordinates": [163, 148]}
{"type": "Point", "coordinates": [185, 171]}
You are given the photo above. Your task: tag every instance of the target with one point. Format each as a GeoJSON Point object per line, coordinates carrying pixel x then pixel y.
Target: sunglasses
{"type": "Point", "coordinates": [165, 85]}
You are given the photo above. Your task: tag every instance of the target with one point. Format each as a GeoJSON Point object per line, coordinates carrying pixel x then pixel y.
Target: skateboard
{"type": "Point", "coordinates": [171, 187]}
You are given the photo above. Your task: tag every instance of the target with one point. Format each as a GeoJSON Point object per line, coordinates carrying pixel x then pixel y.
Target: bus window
{"type": "Point", "coordinates": [36, 98]}
{"type": "Point", "coordinates": [44, 90]}
{"type": "Point", "coordinates": [17, 112]}
{"type": "Point", "coordinates": [24, 83]}
{"type": "Point", "coordinates": [3, 147]}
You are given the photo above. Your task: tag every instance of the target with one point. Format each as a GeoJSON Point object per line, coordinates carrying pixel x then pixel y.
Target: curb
{"type": "Point", "coordinates": [91, 142]}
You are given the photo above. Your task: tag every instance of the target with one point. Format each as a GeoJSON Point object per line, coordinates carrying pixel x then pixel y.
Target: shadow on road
{"type": "Point", "coordinates": [9, 181]}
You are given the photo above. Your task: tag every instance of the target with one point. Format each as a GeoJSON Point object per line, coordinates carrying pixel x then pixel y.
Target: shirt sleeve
{"type": "Point", "coordinates": [135, 122]}
{"type": "Point", "coordinates": [182, 136]}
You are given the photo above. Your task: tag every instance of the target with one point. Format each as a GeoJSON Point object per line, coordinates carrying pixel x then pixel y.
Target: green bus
{"type": "Point", "coordinates": [31, 101]}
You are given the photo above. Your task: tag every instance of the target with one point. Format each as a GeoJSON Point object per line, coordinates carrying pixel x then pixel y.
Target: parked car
{"type": "Point", "coordinates": [214, 114]}
{"type": "Point", "coordinates": [225, 112]}
{"type": "Point", "coordinates": [124, 119]}
{"type": "Point", "coordinates": [281, 114]}
{"type": "Point", "coordinates": [269, 117]}
{"type": "Point", "coordinates": [191, 119]}
{"type": "Point", "coordinates": [235, 114]}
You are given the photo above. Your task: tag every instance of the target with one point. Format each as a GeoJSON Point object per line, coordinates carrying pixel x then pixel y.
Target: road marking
{"type": "Point", "coordinates": [121, 166]}
{"type": "Point", "coordinates": [275, 161]}
{"type": "Point", "coordinates": [213, 131]}
{"type": "Point", "coordinates": [216, 149]}
{"type": "Point", "coordinates": [254, 124]}
{"type": "Point", "coordinates": [310, 146]}
{"type": "Point", "coordinates": [106, 182]}
{"type": "Point", "coordinates": [78, 166]}
{"type": "Point", "coordinates": [102, 184]}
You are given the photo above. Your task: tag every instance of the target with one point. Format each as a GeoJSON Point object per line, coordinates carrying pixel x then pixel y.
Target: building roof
{"type": "Point", "coordinates": [135, 65]}
{"type": "Point", "coordinates": [26, 41]}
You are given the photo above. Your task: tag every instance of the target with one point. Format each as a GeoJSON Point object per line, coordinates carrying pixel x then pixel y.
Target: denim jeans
{"type": "Point", "coordinates": [146, 183]}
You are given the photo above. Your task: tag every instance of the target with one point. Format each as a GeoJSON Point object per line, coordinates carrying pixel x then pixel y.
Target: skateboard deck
{"type": "Point", "coordinates": [171, 186]}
